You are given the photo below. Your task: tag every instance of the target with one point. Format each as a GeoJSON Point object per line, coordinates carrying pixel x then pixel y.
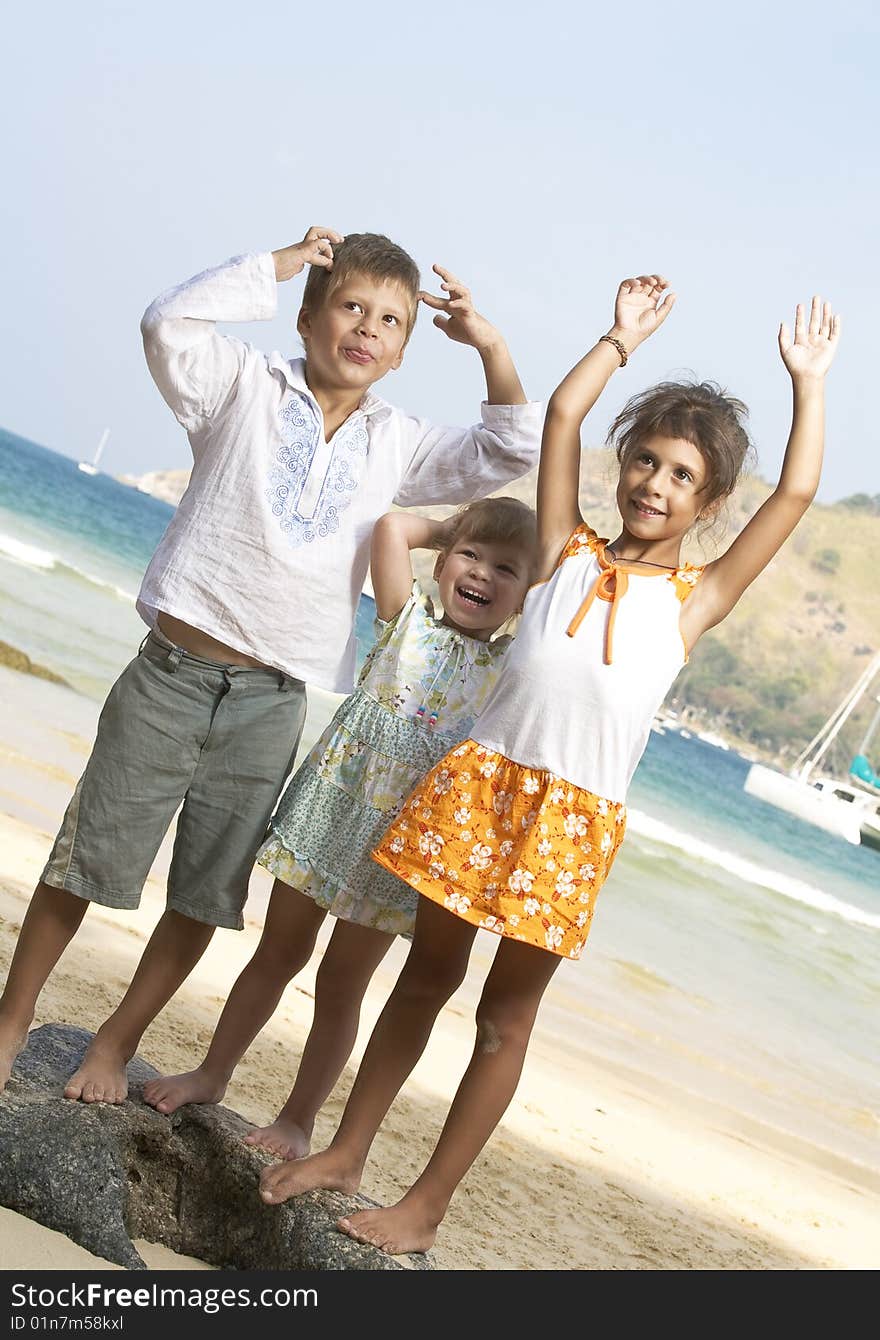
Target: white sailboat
{"type": "Point", "coordinates": [850, 807]}
{"type": "Point", "coordinates": [91, 467]}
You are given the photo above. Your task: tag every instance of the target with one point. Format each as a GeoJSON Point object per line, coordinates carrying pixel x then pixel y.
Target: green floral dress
{"type": "Point", "coordinates": [420, 689]}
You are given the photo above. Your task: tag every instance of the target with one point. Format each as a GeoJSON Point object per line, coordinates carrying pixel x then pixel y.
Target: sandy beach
{"type": "Point", "coordinates": [597, 1165]}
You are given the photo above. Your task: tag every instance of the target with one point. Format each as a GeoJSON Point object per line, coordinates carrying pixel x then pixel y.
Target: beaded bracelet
{"type": "Point", "coordinates": [619, 346]}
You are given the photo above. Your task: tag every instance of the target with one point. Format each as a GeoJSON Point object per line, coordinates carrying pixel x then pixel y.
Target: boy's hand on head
{"type": "Point", "coordinates": [809, 355]}
{"type": "Point", "coordinates": [459, 319]}
{"type": "Point", "coordinates": [316, 248]}
{"type": "Point", "coordinates": [641, 306]}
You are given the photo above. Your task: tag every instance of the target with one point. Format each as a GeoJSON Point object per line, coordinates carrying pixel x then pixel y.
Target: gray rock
{"type": "Point", "coordinates": [103, 1174]}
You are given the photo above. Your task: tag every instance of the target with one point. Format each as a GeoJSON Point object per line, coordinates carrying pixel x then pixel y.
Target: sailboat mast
{"type": "Point", "coordinates": [831, 729]}
{"type": "Point", "coordinates": [101, 445]}
{"type": "Point", "coordinates": [869, 733]}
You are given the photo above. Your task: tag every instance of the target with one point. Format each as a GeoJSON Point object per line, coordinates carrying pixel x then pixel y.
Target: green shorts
{"type": "Point", "coordinates": [217, 740]}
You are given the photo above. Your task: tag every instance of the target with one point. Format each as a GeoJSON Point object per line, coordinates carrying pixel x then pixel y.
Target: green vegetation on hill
{"type": "Point", "coordinates": [862, 502]}
{"type": "Point", "coordinates": [778, 666]}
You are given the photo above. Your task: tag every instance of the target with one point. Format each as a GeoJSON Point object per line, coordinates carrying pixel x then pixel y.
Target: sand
{"type": "Point", "coordinates": [595, 1166]}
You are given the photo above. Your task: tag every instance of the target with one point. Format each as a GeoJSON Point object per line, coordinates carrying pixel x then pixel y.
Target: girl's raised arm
{"type": "Point", "coordinates": [807, 357]}
{"type": "Point", "coordinates": [642, 305]}
{"type": "Point", "coordinates": [394, 536]}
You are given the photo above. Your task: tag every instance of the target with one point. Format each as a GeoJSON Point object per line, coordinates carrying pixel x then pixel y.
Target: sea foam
{"type": "Point", "coordinates": [29, 556]}
{"type": "Point", "coordinates": [26, 554]}
{"type": "Point", "coordinates": [786, 885]}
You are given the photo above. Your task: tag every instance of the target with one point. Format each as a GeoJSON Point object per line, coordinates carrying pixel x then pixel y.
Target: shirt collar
{"type": "Point", "coordinates": [293, 371]}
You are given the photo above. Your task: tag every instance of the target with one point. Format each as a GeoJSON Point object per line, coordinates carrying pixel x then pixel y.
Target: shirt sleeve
{"type": "Point", "coordinates": [455, 465]}
{"type": "Point", "coordinates": [194, 367]}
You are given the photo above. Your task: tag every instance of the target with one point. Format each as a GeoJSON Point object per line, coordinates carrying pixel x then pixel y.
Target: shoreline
{"type": "Point", "coordinates": [597, 1164]}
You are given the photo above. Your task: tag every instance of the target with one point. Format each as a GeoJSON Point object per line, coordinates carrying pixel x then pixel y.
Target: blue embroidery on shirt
{"type": "Point", "coordinates": [300, 437]}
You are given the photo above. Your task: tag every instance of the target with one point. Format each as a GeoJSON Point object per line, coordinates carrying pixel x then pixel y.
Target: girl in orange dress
{"type": "Point", "coordinates": [516, 829]}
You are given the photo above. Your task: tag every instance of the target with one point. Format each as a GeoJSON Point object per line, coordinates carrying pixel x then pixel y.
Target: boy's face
{"type": "Point", "coordinates": [358, 333]}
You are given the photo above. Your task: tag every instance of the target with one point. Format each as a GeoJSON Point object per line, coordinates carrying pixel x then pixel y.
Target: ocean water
{"type": "Point", "coordinates": [735, 950]}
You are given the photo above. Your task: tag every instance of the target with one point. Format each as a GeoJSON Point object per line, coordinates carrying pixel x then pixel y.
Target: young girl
{"type": "Point", "coordinates": [423, 683]}
{"type": "Point", "coordinates": [516, 829]}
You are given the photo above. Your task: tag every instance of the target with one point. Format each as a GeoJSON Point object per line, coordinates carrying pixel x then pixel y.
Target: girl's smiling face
{"type": "Point", "coordinates": [482, 583]}
{"type": "Point", "coordinates": [661, 488]}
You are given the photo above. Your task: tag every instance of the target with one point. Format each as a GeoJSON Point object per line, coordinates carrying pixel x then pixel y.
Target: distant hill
{"type": "Point", "coordinates": [767, 677]}
{"type": "Point", "coordinates": [169, 485]}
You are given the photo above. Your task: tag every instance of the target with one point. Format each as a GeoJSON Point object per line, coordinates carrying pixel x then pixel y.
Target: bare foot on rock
{"type": "Point", "coordinates": [169, 1092]}
{"type": "Point", "coordinates": [328, 1170]}
{"type": "Point", "coordinates": [102, 1077]}
{"type": "Point", "coordinates": [13, 1041]}
{"type": "Point", "coordinates": [397, 1230]}
{"type": "Point", "coordinates": [285, 1139]}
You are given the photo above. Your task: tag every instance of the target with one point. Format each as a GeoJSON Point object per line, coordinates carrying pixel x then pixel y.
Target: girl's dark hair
{"type": "Point", "coordinates": [698, 412]}
{"type": "Point", "coordinates": [495, 521]}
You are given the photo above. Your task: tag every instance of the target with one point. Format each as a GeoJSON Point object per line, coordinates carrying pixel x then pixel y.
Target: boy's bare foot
{"type": "Point", "coordinates": [399, 1229]}
{"type": "Point", "coordinates": [169, 1092]}
{"type": "Point", "coordinates": [102, 1076]}
{"type": "Point", "coordinates": [283, 1138]}
{"type": "Point", "coordinates": [12, 1042]}
{"type": "Point", "coordinates": [328, 1170]}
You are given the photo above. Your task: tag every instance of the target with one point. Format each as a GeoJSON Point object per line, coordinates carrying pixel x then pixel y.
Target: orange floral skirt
{"type": "Point", "coordinates": [512, 849]}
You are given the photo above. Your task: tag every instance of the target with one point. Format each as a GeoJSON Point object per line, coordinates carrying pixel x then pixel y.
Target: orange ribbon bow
{"type": "Point", "coordinates": [611, 584]}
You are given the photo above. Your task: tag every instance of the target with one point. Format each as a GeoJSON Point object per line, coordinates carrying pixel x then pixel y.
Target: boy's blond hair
{"type": "Point", "coordinates": [370, 254]}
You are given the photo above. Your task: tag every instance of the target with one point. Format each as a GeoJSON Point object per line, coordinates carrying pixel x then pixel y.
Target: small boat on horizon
{"type": "Point", "coordinates": [710, 737]}
{"type": "Point", "coordinates": [91, 467]}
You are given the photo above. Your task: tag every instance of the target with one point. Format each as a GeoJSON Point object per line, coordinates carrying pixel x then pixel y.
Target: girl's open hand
{"type": "Point", "coordinates": [812, 350]}
{"type": "Point", "coordinates": [641, 306]}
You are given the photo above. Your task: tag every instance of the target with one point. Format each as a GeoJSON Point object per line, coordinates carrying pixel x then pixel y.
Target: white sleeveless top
{"type": "Point", "coordinates": [597, 649]}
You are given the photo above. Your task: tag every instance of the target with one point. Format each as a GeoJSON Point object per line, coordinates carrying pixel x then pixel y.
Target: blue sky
{"type": "Point", "coordinates": [543, 152]}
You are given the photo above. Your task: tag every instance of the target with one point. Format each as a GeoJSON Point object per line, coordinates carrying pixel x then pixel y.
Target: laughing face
{"type": "Point", "coordinates": [356, 335]}
{"type": "Point", "coordinates": [482, 583]}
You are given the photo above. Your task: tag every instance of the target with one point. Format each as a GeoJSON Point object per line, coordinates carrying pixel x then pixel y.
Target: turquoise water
{"type": "Point", "coordinates": [73, 549]}
{"type": "Point", "coordinates": [754, 938]}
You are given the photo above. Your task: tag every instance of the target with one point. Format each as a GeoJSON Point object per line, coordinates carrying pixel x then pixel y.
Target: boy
{"type": "Point", "coordinates": [250, 595]}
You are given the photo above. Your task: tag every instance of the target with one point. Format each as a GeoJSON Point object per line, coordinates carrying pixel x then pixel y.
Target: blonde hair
{"type": "Point", "coordinates": [370, 254]}
{"type": "Point", "coordinates": [495, 521]}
